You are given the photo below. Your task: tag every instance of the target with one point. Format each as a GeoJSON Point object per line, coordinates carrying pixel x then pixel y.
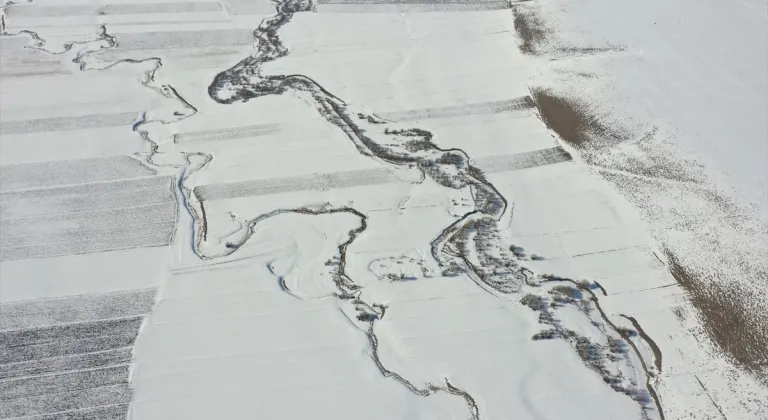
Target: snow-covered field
{"type": "Point", "coordinates": [341, 209]}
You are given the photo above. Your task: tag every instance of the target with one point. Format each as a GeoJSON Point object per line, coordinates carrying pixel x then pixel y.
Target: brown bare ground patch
{"type": "Point", "coordinates": [571, 118]}
{"type": "Point", "coordinates": [579, 125]}
{"type": "Point", "coordinates": [531, 29]}
{"type": "Point", "coordinates": [727, 319]}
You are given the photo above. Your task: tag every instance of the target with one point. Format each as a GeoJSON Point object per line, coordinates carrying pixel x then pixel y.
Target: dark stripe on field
{"type": "Point", "coordinates": [321, 182]}
{"type": "Point", "coordinates": [80, 171]}
{"type": "Point", "coordinates": [231, 133]}
{"type": "Point", "coordinates": [66, 363]}
{"type": "Point", "coordinates": [184, 39]}
{"type": "Point", "coordinates": [110, 412]}
{"type": "Point", "coordinates": [410, 8]}
{"type": "Point", "coordinates": [73, 309]}
{"type": "Point", "coordinates": [41, 125]}
{"type": "Point", "coordinates": [38, 11]}
{"type": "Point", "coordinates": [69, 358]}
{"type": "Point", "coordinates": [65, 401]}
{"type": "Point", "coordinates": [481, 108]}
{"type": "Point", "coordinates": [69, 381]}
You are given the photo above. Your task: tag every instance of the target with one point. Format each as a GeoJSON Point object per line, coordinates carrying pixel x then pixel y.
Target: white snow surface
{"type": "Point", "coordinates": [253, 318]}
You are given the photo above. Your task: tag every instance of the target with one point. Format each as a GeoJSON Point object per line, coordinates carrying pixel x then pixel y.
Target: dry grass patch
{"type": "Point", "coordinates": [727, 319]}
{"type": "Point", "coordinates": [572, 119]}
{"type": "Point", "coordinates": [531, 29]}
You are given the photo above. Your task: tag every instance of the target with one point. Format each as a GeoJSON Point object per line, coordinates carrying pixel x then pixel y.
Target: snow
{"type": "Point", "coordinates": [699, 66]}
{"type": "Point", "coordinates": [301, 277]}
